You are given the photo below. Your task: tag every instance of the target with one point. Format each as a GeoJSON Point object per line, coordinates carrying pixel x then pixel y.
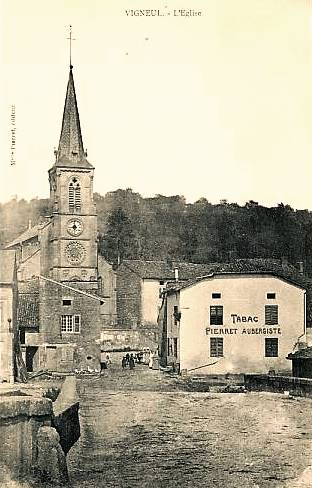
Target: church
{"type": "Point", "coordinates": [62, 280]}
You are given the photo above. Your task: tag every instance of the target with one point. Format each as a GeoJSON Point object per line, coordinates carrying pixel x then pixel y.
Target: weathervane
{"type": "Point", "coordinates": [70, 38]}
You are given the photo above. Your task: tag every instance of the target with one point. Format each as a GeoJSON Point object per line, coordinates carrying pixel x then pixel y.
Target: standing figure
{"type": "Point", "coordinates": [127, 358]}
{"type": "Point", "coordinates": [103, 361]}
{"type": "Point", "coordinates": [124, 362]}
{"type": "Point", "coordinates": [151, 358]}
{"type": "Point", "coordinates": [131, 362]}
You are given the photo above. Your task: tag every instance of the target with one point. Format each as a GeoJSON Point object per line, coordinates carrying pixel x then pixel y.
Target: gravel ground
{"type": "Point", "coordinates": [140, 429]}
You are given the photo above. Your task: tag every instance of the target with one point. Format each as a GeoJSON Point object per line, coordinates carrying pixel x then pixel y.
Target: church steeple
{"type": "Point", "coordinates": [70, 150]}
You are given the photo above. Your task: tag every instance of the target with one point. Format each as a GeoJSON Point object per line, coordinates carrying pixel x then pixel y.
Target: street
{"type": "Point", "coordinates": [138, 429]}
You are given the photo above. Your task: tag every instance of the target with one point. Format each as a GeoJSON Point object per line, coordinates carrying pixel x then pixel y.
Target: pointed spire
{"type": "Point", "coordinates": [70, 151]}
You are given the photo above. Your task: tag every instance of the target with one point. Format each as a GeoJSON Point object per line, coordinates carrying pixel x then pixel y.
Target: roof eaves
{"type": "Point", "coordinates": [193, 281]}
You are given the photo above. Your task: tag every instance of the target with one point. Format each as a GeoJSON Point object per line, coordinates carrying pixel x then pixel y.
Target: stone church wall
{"type": "Point", "coordinates": [129, 287]}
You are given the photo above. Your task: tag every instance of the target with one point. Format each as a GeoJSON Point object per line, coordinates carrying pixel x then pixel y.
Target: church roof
{"type": "Point", "coordinates": [70, 151]}
{"type": "Point", "coordinates": [27, 235]}
{"type": "Point", "coordinates": [7, 267]}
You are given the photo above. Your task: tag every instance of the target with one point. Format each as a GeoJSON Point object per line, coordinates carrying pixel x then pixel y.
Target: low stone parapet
{"type": "Point", "coordinates": [279, 384]}
{"type": "Point", "coordinates": [35, 437]}
{"type": "Point", "coordinates": [20, 419]}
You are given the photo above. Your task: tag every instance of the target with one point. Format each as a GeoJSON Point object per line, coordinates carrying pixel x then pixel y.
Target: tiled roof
{"type": "Point", "coordinates": [252, 266]}
{"type": "Point", "coordinates": [28, 310]}
{"type": "Point", "coordinates": [27, 235]}
{"type": "Point", "coordinates": [29, 286]}
{"type": "Point", "coordinates": [162, 270]}
{"type": "Point", "coordinates": [262, 266]}
{"type": "Point", "coordinates": [7, 266]}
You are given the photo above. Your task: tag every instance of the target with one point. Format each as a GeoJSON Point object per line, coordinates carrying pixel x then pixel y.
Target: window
{"type": "Point", "coordinates": [271, 315]}
{"type": "Point", "coordinates": [216, 347]}
{"type": "Point", "coordinates": [67, 301]}
{"type": "Point", "coordinates": [271, 296]}
{"type": "Point", "coordinates": [161, 282]}
{"type": "Point", "coordinates": [216, 295]}
{"type": "Point", "coordinates": [74, 195]}
{"type": "Point", "coordinates": [170, 347]}
{"type": "Point", "coordinates": [70, 324]}
{"type": "Point", "coordinates": [271, 347]}
{"type": "Point", "coordinates": [176, 314]}
{"type": "Point", "coordinates": [216, 315]}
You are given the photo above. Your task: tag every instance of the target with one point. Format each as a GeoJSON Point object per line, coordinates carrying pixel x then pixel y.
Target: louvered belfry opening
{"type": "Point", "coordinates": [74, 196]}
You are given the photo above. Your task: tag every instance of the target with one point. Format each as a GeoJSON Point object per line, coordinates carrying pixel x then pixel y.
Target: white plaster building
{"type": "Point", "coordinates": [8, 315]}
{"type": "Point", "coordinates": [232, 323]}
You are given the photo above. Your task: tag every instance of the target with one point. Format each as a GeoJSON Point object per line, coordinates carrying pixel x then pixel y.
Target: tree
{"type": "Point", "coordinates": [118, 241]}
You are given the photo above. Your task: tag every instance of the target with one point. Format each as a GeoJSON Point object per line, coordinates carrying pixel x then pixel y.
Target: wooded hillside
{"type": "Point", "coordinates": [161, 227]}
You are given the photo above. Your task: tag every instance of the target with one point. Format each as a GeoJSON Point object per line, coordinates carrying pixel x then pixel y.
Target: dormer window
{"type": "Point", "coordinates": [74, 195]}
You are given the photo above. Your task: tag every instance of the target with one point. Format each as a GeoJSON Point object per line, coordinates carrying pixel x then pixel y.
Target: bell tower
{"type": "Point", "coordinates": [73, 235]}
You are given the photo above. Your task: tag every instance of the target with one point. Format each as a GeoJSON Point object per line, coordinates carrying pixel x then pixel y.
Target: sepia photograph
{"type": "Point", "coordinates": [156, 244]}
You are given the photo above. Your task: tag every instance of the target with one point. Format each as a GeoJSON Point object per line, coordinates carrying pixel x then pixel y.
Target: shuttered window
{"type": "Point", "coordinates": [271, 315]}
{"type": "Point", "coordinates": [216, 315]}
{"type": "Point", "coordinates": [74, 196]}
{"type": "Point", "coordinates": [77, 198]}
{"type": "Point", "coordinates": [216, 347]}
{"type": "Point", "coordinates": [71, 198]}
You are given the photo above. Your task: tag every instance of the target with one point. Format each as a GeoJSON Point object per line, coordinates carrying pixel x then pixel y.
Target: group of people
{"type": "Point", "coordinates": [130, 360]}
{"type": "Point", "coordinates": [143, 357]}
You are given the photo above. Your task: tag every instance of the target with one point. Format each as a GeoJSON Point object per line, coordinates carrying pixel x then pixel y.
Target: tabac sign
{"type": "Point", "coordinates": [249, 327]}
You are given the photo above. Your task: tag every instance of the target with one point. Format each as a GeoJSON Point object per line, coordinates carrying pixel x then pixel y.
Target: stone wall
{"type": "Point", "coordinates": [120, 339]}
{"type": "Point", "coordinates": [51, 309]}
{"type": "Point", "coordinates": [129, 292]}
{"type": "Point", "coordinates": [107, 289]}
{"type": "Point", "coordinates": [279, 384]}
{"type": "Point", "coordinates": [55, 348]}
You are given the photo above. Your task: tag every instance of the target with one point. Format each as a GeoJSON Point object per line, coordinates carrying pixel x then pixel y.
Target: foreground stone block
{"type": "Point", "coordinates": [20, 419]}
{"type": "Point", "coordinates": [51, 461]}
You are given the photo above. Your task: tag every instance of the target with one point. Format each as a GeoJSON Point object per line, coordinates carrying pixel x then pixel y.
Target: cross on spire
{"type": "Point", "coordinates": [70, 38]}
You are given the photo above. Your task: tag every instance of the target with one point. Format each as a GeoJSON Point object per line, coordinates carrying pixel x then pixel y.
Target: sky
{"type": "Point", "coordinates": [216, 106]}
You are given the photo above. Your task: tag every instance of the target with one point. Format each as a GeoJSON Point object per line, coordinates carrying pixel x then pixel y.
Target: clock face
{"type": "Point", "coordinates": [75, 253]}
{"type": "Point", "coordinates": [74, 227]}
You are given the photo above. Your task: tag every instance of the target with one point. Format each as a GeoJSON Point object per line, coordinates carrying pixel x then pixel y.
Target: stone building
{"type": "Point", "coordinates": [233, 322]}
{"type": "Point", "coordinates": [62, 278]}
{"type": "Point", "coordinates": [140, 284]}
{"type": "Point", "coordinates": [8, 315]}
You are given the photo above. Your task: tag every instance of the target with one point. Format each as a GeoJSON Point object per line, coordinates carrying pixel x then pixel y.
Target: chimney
{"type": "Point", "coordinates": [29, 224]}
{"type": "Point", "coordinates": [176, 274]}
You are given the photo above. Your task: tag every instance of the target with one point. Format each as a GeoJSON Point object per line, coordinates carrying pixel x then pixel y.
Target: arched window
{"type": "Point", "coordinates": [74, 195]}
